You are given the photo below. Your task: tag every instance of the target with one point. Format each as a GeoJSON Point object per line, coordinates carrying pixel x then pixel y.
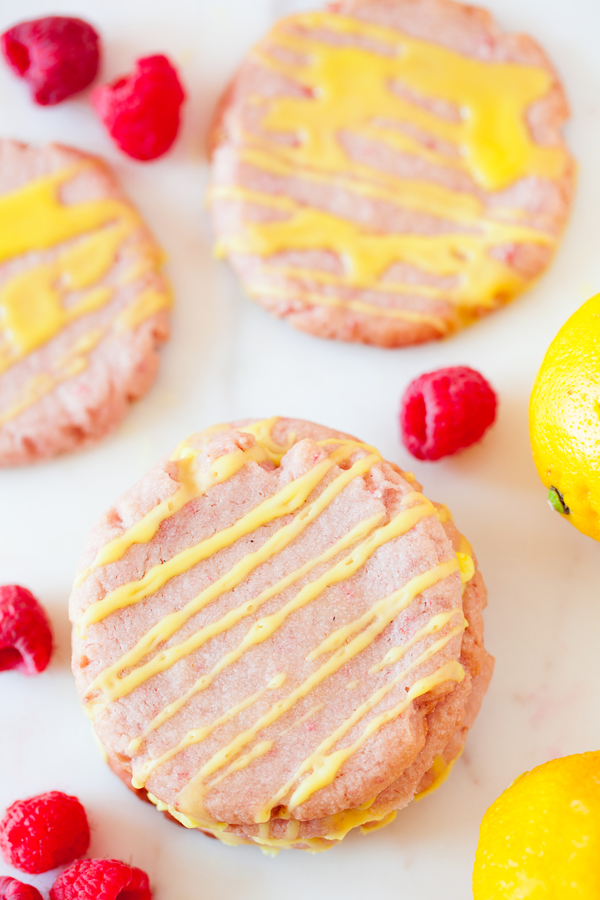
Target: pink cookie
{"type": "Point", "coordinates": [278, 636]}
{"type": "Point", "coordinates": [387, 171]}
{"type": "Point", "coordinates": [83, 303]}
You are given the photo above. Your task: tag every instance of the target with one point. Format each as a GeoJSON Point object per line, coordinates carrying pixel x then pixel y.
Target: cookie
{"type": "Point", "coordinates": [83, 303]}
{"type": "Point", "coordinates": [278, 637]}
{"type": "Point", "coordinates": [387, 171]}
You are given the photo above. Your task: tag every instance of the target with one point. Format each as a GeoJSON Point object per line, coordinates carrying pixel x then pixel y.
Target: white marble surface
{"type": "Point", "coordinates": [228, 358]}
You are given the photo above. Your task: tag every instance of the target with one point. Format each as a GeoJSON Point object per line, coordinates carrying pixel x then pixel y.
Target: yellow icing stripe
{"type": "Point", "coordinates": [215, 827]}
{"type": "Point", "coordinates": [38, 303]}
{"type": "Point", "coordinates": [307, 715]}
{"type": "Point", "coordinates": [466, 209]}
{"type": "Point", "coordinates": [200, 734]}
{"type": "Point", "coordinates": [339, 826]}
{"type": "Point", "coordinates": [343, 442]}
{"type": "Point", "coordinates": [205, 681]}
{"type": "Point", "coordinates": [264, 628]}
{"type": "Point", "coordinates": [33, 217]}
{"type": "Point", "coordinates": [148, 258]}
{"type": "Point", "coordinates": [289, 499]}
{"type": "Point", "coordinates": [193, 483]}
{"type": "Point", "coordinates": [261, 431]}
{"type": "Point", "coordinates": [434, 625]}
{"type": "Point", "coordinates": [497, 146]}
{"type": "Point", "coordinates": [292, 830]}
{"type": "Point", "coordinates": [341, 635]}
{"type": "Point", "coordinates": [359, 306]}
{"type": "Point", "coordinates": [441, 770]}
{"type": "Point", "coordinates": [393, 606]}
{"type": "Point", "coordinates": [387, 819]}
{"type": "Point", "coordinates": [396, 288]}
{"type": "Point", "coordinates": [32, 303]}
{"type": "Point", "coordinates": [443, 513]}
{"type": "Point", "coordinates": [394, 107]}
{"type": "Point", "coordinates": [145, 305]}
{"type": "Point", "coordinates": [326, 770]}
{"type": "Point", "coordinates": [72, 363]}
{"type": "Point", "coordinates": [372, 253]}
{"type": "Point", "coordinates": [112, 686]}
{"type": "Point", "coordinates": [191, 797]}
{"type": "Point", "coordinates": [467, 567]}
{"type": "Point", "coordinates": [247, 759]}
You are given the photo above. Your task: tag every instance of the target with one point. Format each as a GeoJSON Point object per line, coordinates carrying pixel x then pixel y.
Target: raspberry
{"type": "Point", "coordinates": [101, 879]}
{"type": "Point", "coordinates": [43, 832]}
{"type": "Point", "coordinates": [445, 411]}
{"type": "Point", "coordinates": [11, 889]}
{"type": "Point", "coordinates": [57, 56]}
{"type": "Point", "coordinates": [141, 110]}
{"type": "Point", "coordinates": [25, 636]}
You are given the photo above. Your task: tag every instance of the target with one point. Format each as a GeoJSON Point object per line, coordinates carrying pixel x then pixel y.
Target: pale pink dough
{"type": "Point", "coordinates": [244, 110]}
{"type": "Point", "coordinates": [393, 763]}
{"type": "Point", "coordinates": [83, 408]}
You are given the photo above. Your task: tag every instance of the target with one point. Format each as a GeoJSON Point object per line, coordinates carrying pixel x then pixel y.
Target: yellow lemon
{"type": "Point", "coordinates": [541, 838]}
{"type": "Point", "coordinates": [564, 420]}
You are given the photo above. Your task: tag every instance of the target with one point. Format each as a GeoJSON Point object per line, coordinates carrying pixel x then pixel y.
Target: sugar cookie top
{"type": "Point", "coordinates": [257, 622]}
{"type": "Point", "coordinates": [82, 301]}
{"type": "Point", "coordinates": [388, 171]}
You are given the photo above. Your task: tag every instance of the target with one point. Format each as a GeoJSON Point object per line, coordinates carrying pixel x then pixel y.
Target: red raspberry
{"type": "Point", "coordinates": [44, 832]}
{"type": "Point", "coordinates": [141, 110]}
{"type": "Point", "coordinates": [101, 879]}
{"type": "Point", "coordinates": [57, 56]}
{"type": "Point", "coordinates": [11, 889]}
{"type": "Point", "coordinates": [445, 411]}
{"type": "Point", "coordinates": [25, 636]}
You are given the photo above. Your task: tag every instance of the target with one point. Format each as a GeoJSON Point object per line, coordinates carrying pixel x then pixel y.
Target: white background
{"type": "Point", "coordinates": [227, 359]}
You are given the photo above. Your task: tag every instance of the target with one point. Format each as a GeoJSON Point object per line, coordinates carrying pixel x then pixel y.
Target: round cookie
{"type": "Point", "coordinates": [387, 171]}
{"type": "Point", "coordinates": [83, 302]}
{"type": "Point", "coordinates": [277, 636]}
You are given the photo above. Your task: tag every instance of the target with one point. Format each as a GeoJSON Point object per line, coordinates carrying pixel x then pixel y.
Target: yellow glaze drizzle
{"type": "Point", "coordinates": [327, 767]}
{"type": "Point", "coordinates": [337, 563]}
{"type": "Point", "coordinates": [192, 483]}
{"type": "Point", "coordinates": [192, 795]}
{"type": "Point", "coordinates": [467, 566]}
{"type": "Point", "coordinates": [71, 364]}
{"type": "Point", "coordinates": [147, 304]}
{"type": "Point", "coordinates": [340, 825]}
{"type": "Point", "coordinates": [379, 823]}
{"type": "Point", "coordinates": [435, 624]}
{"type": "Point", "coordinates": [253, 637]}
{"type": "Point", "coordinates": [264, 628]}
{"type": "Point", "coordinates": [324, 767]}
{"type": "Point", "coordinates": [441, 770]}
{"type": "Point", "coordinates": [289, 499]}
{"type": "Point", "coordinates": [38, 303]}
{"type": "Point", "coordinates": [482, 134]}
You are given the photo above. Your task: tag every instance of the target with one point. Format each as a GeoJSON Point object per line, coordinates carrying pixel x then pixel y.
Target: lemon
{"type": "Point", "coordinates": [564, 420]}
{"type": "Point", "coordinates": [541, 838]}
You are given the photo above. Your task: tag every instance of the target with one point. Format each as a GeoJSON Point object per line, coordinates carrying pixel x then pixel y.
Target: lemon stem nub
{"type": "Point", "coordinates": [557, 501]}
